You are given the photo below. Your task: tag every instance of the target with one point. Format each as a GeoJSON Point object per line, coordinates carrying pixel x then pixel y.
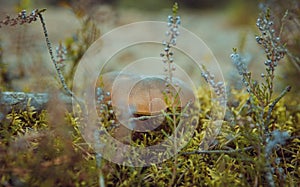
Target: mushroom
{"type": "Point", "coordinates": [145, 95]}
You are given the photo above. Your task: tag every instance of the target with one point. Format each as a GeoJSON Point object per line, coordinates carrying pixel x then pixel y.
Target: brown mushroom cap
{"type": "Point", "coordinates": [145, 95]}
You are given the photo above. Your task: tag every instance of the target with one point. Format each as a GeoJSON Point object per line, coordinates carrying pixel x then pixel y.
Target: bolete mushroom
{"type": "Point", "coordinates": [136, 96]}
{"type": "Point", "coordinates": [145, 95]}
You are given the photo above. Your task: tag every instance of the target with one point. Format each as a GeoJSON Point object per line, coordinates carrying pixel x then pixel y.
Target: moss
{"type": "Point", "coordinates": [53, 158]}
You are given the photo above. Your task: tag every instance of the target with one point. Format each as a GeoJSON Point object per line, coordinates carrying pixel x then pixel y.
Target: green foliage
{"type": "Point", "coordinates": [77, 45]}
{"type": "Point", "coordinates": [3, 71]}
{"type": "Point", "coordinates": [56, 154]}
{"type": "Point", "coordinates": [46, 154]}
{"type": "Point", "coordinates": [175, 9]}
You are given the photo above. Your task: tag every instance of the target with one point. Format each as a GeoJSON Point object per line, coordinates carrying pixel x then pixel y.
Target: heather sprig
{"type": "Point", "coordinates": [36, 14]}
{"type": "Point", "coordinates": [54, 61]}
{"type": "Point", "coordinates": [104, 107]}
{"type": "Point", "coordinates": [61, 53]}
{"type": "Point", "coordinates": [261, 98]}
{"type": "Point", "coordinates": [22, 18]}
{"type": "Point", "coordinates": [239, 63]}
{"type": "Point", "coordinates": [261, 93]}
{"type": "Point", "coordinates": [173, 23]}
{"type": "Point", "coordinates": [217, 87]}
{"type": "Point", "coordinates": [272, 46]}
{"type": "Point", "coordinates": [167, 57]}
{"type": "Point", "coordinates": [268, 39]}
{"type": "Point", "coordinates": [274, 51]}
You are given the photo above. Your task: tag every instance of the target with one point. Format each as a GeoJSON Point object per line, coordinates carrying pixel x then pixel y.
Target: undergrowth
{"type": "Point", "coordinates": [258, 145]}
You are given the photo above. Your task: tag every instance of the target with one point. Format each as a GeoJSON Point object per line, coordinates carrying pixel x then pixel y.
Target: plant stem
{"type": "Point", "coordinates": [218, 151]}
{"type": "Point", "coordinates": [174, 173]}
{"type": "Point", "coordinates": [272, 105]}
{"type": "Point", "coordinates": [60, 75]}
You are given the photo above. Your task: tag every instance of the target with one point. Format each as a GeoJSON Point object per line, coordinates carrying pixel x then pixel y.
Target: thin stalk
{"type": "Point", "coordinates": [58, 70]}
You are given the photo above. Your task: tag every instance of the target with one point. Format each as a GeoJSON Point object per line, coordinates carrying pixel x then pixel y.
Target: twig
{"type": "Point", "coordinates": [217, 151]}
{"type": "Point", "coordinates": [60, 75]}
{"type": "Point", "coordinates": [283, 19]}
{"type": "Point", "coordinates": [19, 101]}
{"type": "Point", "coordinates": [141, 118]}
{"type": "Point", "coordinates": [98, 157]}
{"type": "Point", "coordinates": [22, 18]}
{"type": "Point", "coordinates": [294, 59]}
{"type": "Point", "coordinates": [272, 105]}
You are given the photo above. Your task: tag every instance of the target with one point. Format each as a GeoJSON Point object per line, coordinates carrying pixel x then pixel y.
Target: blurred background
{"type": "Point", "coordinates": [222, 25]}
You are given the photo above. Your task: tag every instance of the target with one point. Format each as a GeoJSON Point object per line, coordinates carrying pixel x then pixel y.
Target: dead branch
{"type": "Point", "coordinates": [19, 101]}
